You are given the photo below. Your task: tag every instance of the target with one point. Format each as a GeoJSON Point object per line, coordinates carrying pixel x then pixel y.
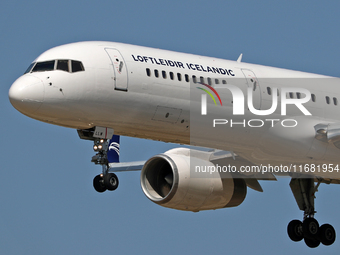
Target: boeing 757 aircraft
{"type": "Point", "coordinates": [245, 123]}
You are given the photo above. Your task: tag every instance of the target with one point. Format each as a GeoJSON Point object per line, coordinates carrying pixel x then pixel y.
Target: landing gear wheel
{"type": "Point", "coordinates": [310, 228]}
{"type": "Point", "coordinates": [327, 234]}
{"type": "Point", "coordinates": [311, 243]}
{"type": "Point", "coordinates": [294, 230]}
{"type": "Point", "coordinates": [111, 181]}
{"type": "Point", "coordinates": [98, 184]}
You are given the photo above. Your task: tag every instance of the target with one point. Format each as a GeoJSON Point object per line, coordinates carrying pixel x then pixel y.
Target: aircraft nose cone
{"type": "Point", "coordinates": [27, 94]}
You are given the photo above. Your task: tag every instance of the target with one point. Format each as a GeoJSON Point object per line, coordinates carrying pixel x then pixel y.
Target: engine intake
{"type": "Point", "coordinates": [165, 180]}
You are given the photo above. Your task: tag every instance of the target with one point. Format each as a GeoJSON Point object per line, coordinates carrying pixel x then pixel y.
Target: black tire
{"type": "Point", "coordinates": [294, 230]}
{"type": "Point", "coordinates": [312, 243]}
{"type": "Point", "coordinates": [327, 234]}
{"type": "Point", "coordinates": [111, 181]}
{"type": "Point", "coordinates": [98, 184]}
{"type": "Point", "coordinates": [310, 228]}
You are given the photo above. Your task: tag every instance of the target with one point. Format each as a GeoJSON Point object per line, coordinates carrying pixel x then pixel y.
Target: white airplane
{"type": "Point", "coordinates": [287, 124]}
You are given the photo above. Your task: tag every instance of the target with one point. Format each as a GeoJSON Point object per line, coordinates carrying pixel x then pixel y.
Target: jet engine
{"type": "Point", "coordinates": [168, 180]}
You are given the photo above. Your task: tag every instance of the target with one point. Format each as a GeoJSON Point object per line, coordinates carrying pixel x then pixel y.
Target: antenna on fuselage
{"type": "Point", "coordinates": [240, 58]}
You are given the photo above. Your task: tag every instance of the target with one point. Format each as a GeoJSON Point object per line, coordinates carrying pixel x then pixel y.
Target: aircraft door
{"type": "Point", "coordinates": [120, 78]}
{"type": "Point", "coordinates": [253, 83]}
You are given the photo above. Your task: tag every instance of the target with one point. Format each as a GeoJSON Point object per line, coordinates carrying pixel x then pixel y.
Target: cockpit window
{"type": "Point", "coordinates": [44, 66]}
{"type": "Point", "coordinates": [66, 65]}
{"type": "Point", "coordinates": [63, 65]}
{"type": "Point", "coordinates": [29, 68]}
{"type": "Point", "coordinates": [77, 66]}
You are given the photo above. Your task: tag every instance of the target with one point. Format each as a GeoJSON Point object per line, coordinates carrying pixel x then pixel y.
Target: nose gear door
{"type": "Point", "coordinates": [120, 78]}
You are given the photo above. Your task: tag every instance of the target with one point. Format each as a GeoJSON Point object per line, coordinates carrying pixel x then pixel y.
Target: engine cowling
{"type": "Point", "coordinates": [165, 180]}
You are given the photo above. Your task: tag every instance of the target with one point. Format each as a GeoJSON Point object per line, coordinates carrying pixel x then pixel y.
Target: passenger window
{"type": "Point", "coordinates": [217, 81]}
{"type": "Point", "coordinates": [63, 65]}
{"type": "Point", "coordinates": [335, 101]}
{"type": "Point", "coordinates": [77, 66]}
{"type": "Point", "coordinates": [209, 81]}
{"type": "Point", "coordinates": [148, 72]}
{"type": "Point", "coordinates": [194, 79]}
{"type": "Point", "coordinates": [179, 76]}
{"type": "Point", "coordinates": [164, 74]}
{"type": "Point", "coordinates": [201, 79]}
{"type": "Point", "coordinates": [269, 90]}
{"type": "Point", "coordinates": [224, 82]}
{"type": "Point", "coordinates": [328, 101]}
{"type": "Point", "coordinates": [291, 94]}
{"type": "Point", "coordinates": [44, 66]}
{"type": "Point", "coordinates": [156, 73]}
{"type": "Point", "coordinates": [187, 78]}
{"type": "Point", "coordinates": [171, 75]}
{"type": "Point", "coordinates": [313, 98]}
{"type": "Point", "coordinates": [298, 95]}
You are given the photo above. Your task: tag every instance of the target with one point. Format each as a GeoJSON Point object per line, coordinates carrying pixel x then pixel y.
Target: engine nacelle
{"type": "Point", "coordinates": [165, 180]}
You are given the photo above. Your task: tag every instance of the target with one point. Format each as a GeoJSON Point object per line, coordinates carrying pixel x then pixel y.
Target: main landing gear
{"type": "Point", "coordinates": [105, 180]}
{"type": "Point", "coordinates": [308, 229]}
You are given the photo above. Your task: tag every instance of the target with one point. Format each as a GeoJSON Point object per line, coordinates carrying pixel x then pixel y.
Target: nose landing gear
{"type": "Point", "coordinates": [104, 181]}
{"type": "Point", "coordinates": [99, 136]}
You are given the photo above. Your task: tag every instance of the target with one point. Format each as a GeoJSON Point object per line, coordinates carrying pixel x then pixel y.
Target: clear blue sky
{"type": "Point", "coordinates": [48, 204]}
